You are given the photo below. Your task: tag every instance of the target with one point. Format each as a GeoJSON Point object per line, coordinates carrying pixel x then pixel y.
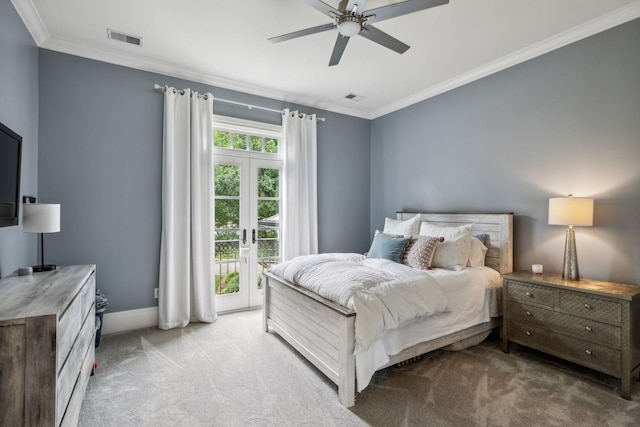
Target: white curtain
{"type": "Point", "coordinates": [186, 289]}
{"type": "Point", "coordinates": [300, 210]}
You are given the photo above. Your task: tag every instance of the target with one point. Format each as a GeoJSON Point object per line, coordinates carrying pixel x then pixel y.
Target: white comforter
{"type": "Point", "coordinates": [385, 294]}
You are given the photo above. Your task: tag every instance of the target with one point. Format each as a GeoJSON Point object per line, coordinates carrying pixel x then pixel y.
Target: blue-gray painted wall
{"type": "Point", "coordinates": [19, 112]}
{"type": "Point", "coordinates": [101, 159]}
{"type": "Point", "coordinates": [565, 122]}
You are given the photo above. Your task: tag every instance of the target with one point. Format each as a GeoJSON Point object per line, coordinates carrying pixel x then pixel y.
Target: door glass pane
{"type": "Point", "coordinates": [239, 142]}
{"type": "Point", "coordinates": [268, 220]}
{"type": "Point", "coordinates": [221, 139]}
{"type": "Point", "coordinates": [227, 229]}
{"type": "Point", "coordinates": [271, 145]}
{"type": "Point", "coordinates": [255, 143]}
{"type": "Point", "coordinates": [227, 180]}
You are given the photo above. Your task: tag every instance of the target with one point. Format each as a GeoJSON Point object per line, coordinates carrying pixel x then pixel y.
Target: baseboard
{"type": "Point", "coordinates": [129, 320]}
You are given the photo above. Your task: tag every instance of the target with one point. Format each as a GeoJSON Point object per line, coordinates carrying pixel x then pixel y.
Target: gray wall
{"type": "Point", "coordinates": [101, 159]}
{"type": "Point", "coordinates": [19, 112]}
{"type": "Point", "coordinates": [566, 122]}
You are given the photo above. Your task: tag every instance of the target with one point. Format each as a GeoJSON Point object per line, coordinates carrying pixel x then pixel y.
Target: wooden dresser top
{"type": "Point", "coordinates": [41, 294]}
{"type": "Point", "coordinates": [621, 290]}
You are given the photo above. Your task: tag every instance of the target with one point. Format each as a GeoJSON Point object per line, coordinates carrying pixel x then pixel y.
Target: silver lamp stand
{"type": "Point", "coordinates": [570, 263]}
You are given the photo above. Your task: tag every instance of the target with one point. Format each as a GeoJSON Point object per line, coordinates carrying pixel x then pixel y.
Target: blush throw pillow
{"type": "Point", "coordinates": [419, 252]}
{"type": "Point", "coordinates": [408, 227]}
{"type": "Point", "coordinates": [453, 253]}
{"type": "Point", "coordinates": [388, 247]}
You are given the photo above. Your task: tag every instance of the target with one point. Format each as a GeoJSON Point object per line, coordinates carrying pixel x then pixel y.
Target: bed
{"type": "Point", "coordinates": [323, 331]}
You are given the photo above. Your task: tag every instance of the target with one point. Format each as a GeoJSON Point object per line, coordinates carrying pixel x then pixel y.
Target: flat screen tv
{"type": "Point", "coordinates": [10, 158]}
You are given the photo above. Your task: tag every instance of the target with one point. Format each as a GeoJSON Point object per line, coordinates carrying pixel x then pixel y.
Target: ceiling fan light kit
{"type": "Point", "coordinates": [349, 26]}
{"type": "Point", "coordinates": [350, 23]}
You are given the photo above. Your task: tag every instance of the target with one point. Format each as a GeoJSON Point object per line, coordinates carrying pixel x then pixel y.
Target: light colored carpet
{"type": "Point", "coordinates": [231, 373]}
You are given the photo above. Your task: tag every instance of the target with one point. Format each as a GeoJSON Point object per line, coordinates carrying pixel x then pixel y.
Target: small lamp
{"type": "Point", "coordinates": [41, 218]}
{"type": "Point", "coordinates": [570, 211]}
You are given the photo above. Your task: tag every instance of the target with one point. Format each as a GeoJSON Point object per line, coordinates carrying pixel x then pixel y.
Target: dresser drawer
{"type": "Point", "coordinates": [588, 354]}
{"type": "Point", "coordinates": [68, 329]}
{"type": "Point", "coordinates": [88, 295]}
{"type": "Point", "coordinates": [529, 293]}
{"type": "Point", "coordinates": [593, 308]}
{"type": "Point", "coordinates": [68, 375]}
{"type": "Point", "coordinates": [566, 324]}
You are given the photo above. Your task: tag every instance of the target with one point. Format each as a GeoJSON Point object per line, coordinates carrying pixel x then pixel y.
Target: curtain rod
{"type": "Point", "coordinates": [242, 104]}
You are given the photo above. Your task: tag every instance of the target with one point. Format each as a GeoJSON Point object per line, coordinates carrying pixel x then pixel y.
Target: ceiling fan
{"type": "Point", "coordinates": [350, 19]}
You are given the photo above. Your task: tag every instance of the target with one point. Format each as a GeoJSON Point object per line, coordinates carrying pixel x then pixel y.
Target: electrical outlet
{"type": "Point", "coordinates": [155, 293]}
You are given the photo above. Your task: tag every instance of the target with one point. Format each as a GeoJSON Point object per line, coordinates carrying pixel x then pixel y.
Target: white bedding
{"type": "Point", "coordinates": [384, 294]}
{"type": "Point", "coordinates": [473, 298]}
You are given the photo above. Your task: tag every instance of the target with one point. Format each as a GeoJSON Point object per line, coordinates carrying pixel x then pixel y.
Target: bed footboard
{"type": "Point", "coordinates": [321, 330]}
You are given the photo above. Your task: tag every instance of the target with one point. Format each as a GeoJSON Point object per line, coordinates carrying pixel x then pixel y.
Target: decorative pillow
{"type": "Point", "coordinates": [477, 253]}
{"type": "Point", "coordinates": [388, 247]}
{"type": "Point", "coordinates": [409, 227]}
{"type": "Point", "coordinates": [419, 252]}
{"type": "Point", "coordinates": [453, 253]}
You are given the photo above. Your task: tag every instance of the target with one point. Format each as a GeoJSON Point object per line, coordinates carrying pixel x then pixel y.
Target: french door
{"type": "Point", "coordinates": [247, 227]}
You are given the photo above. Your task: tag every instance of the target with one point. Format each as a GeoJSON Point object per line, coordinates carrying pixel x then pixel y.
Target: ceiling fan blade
{"type": "Point", "coordinates": [338, 49]}
{"type": "Point", "coordinates": [301, 33]}
{"type": "Point", "coordinates": [402, 8]}
{"type": "Point", "coordinates": [323, 7]}
{"type": "Point", "coordinates": [384, 39]}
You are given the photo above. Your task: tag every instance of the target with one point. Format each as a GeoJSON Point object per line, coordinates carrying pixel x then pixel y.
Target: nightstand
{"type": "Point", "coordinates": [592, 323]}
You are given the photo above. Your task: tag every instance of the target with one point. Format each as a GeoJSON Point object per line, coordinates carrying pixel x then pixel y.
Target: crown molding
{"type": "Point", "coordinates": [31, 18]}
{"type": "Point", "coordinates": [605, 22]}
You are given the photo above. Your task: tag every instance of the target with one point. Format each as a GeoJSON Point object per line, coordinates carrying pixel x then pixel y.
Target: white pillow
{"type": "Point", "coordinates": [477, 253]}
{"type": "Point", "coordinates": [453, 253]}
{"type": "Point", "coordinates": [406, 228]}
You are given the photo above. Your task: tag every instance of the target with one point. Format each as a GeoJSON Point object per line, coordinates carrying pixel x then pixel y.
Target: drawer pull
{"type": "Point", "coordinates": [528, 313]}
{"type": "Point", "coordinates": [587, 306]}
{"type": "Point", "coordinates": [529, 294]}
{"type": "Point", "coordinates": [588, 328]}
{"type": "Point", "coordinates": [588, 352]}
{"type": "Point", "coordinates": [528, 333]}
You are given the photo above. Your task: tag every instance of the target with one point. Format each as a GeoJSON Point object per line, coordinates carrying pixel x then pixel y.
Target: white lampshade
{"type": "Point", "coordinates": [41, 218]}
{"type": "Point", "coordinates": [571, 211]}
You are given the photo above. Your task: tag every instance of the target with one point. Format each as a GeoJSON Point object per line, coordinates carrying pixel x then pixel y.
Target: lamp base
{"type": "Point", "coordinates": [570, 264]}
{"type": "Point", "coordinates": [46, 267]}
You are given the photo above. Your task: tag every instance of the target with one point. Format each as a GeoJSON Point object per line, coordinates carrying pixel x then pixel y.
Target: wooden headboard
{"type": "Point", "coordinates": [498, 226]}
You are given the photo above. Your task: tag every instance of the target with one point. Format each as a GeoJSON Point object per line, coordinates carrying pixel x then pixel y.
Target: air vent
{"type": "Point", "coordinates": [117, 35]}
{"type": "Point", "coordinates": [355, 98]}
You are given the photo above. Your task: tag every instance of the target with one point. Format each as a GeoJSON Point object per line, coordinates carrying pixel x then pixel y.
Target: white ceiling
{"type": "Point", "coordinates": [224, 43]}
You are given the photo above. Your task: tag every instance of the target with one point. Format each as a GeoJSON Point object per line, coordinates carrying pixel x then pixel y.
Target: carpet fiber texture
{"type": "Point", "coordinates": [231, 373]}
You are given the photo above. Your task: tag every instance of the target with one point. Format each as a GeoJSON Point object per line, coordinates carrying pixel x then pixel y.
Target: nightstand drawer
{"type": "Point", "coordinates": [566, 324]}
{"type": "Point", "coordinates": [530, 294]}
{"type": "Point", "coordinates": [575, 350]}
{"type": "Point", "coordinates": [593, 308]}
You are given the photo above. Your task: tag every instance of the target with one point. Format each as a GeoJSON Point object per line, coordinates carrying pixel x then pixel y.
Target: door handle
{"type": "Point", "coordinates": [244, 236]}
{"type": "Point", "coordinates": [253, 235]}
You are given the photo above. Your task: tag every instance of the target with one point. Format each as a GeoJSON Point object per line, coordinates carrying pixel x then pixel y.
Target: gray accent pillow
{"type": "Point", "coordinates": [388, 247]}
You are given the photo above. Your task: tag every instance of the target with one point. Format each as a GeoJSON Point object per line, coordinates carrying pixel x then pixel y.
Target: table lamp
{"type": "Point", "coordinates": [41, 218]}
{"type": "Point", "coordinates": [570, 211]}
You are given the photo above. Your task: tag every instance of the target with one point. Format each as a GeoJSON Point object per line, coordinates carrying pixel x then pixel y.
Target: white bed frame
{"type": "Point", "coordinates": [323, 331]}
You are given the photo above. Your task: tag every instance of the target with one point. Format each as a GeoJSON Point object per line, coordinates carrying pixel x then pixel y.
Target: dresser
{"type": "Point", "coordinates": [592, 323]}
{"type": "Point", "coordinates": [47, 329]}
